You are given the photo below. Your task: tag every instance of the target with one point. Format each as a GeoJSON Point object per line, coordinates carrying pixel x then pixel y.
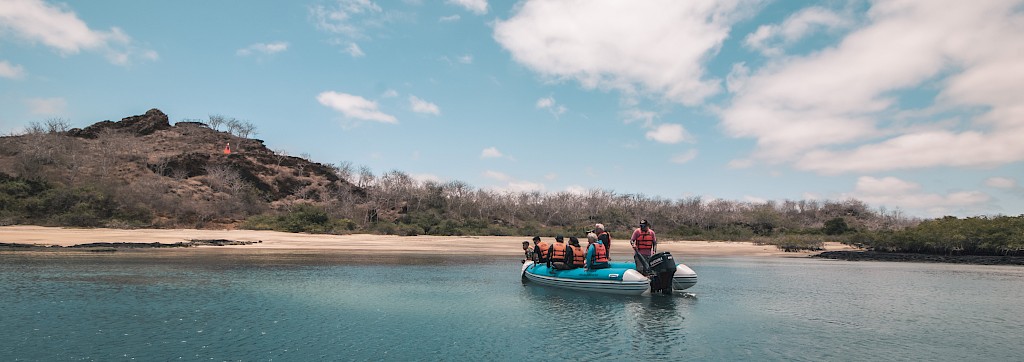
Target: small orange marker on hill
{"type": "Point", "coordinates": [227, 149]}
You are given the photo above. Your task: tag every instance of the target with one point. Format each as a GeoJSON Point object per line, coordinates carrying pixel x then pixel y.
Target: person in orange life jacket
{"type": "Point", "coordinates": [599, 230]}
{"type": "Point", "coordinates": [540, 250]}
{"type": "Point", "coordinates": [558, 254]}
{"type": "Point", "coordinates": [643, 239]}
{"type": "Point", "coordinates": [597, 255]}
{"type": "Point", "coordinates": [575, 253]}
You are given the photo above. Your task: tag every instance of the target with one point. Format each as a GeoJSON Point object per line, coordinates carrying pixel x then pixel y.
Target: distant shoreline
{"type": "Point", "coordinates": [862, 255]}
{"type": "Point", "coordinates": [271, 244]}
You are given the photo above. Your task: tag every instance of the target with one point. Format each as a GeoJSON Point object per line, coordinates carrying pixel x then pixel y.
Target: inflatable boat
{"type": "Point", "coordinates": [659, 274]}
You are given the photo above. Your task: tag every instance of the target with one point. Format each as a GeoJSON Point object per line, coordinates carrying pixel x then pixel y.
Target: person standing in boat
{"type": "Point", "coordinates": [558, 254]}
{"type": "Point", "coordinates": [643, 239]}
{"type": "Point", "coordinates": [599, 230]}
{"type": "Point", "coordinates": [575, 253]}
{"type": "Point", "coordinates": [540, 250]}
{"type": "Point", "coordinates": [597, 255]}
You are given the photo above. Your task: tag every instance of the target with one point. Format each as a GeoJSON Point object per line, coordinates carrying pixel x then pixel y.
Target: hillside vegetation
{"type": "Point", "coordinates": [144, 172]}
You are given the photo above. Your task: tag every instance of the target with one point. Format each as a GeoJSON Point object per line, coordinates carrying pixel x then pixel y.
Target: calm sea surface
{"type": "Point", "coordinates": [116, 307]}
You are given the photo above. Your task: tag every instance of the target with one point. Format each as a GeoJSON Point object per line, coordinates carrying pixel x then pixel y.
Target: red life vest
{"type": "Point", "coordinates": [645, 241]}
{"type": "Point", "coordinates": [543, 253]}
{"type": "Point", "coordinates": [558, 251]}
{"type": "Point", "coordinates": [577, 256]}
{"type": "Point", "coordinates": [600, 254]}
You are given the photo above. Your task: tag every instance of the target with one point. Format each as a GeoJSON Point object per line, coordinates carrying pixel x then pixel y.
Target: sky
{"type": "Point", "coordinates": [910, 106]}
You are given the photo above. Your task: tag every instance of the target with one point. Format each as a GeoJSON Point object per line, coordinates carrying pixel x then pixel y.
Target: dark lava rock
{"type": "Point", "coordinates": [186, 165]}
{"type": "Point", "coordinates": [154, 120]}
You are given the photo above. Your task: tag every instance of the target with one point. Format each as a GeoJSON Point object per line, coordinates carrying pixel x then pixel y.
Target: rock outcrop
{"type": "Point", "coordinates": [142, 125]}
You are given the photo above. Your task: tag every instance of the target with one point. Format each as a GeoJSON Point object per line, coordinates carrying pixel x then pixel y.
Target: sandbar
{"type": "Point", "coordinates": [363, 244]}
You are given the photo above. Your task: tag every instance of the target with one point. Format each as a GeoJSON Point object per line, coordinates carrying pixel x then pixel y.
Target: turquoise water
{"type": "Point", "coordinates": [117, 307]}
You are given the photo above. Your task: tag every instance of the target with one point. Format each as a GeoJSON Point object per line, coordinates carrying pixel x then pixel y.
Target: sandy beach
{"type": "Point", "coordinates": [273, 241]}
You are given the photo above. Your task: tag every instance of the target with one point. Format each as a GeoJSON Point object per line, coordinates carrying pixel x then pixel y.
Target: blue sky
{"type": "Point", "coordinates": [909, 105]}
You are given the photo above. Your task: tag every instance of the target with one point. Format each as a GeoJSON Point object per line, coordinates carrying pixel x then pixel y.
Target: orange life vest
{"type": "Point", "coordinates": [645, 241]}
{"type": "Point", "coordinates": [558, 251]}
{"type": "Point", "coordinates": [577, 256]}
{"type": "Point", "coordinates": [543, 253]}
{"type": "Point", "coordinates": [600, 254]}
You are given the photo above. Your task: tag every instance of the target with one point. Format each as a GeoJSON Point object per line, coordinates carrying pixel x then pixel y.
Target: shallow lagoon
{"type": "Point", "coordinates": [123, 307]}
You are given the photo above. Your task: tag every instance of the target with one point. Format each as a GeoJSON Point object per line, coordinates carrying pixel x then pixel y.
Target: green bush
{"type": "Point", "coordinates": [1001, 235]}
{"type": "Point", "coordinates": [836, 226]}
{"type": "Point", "coordinates": [792, 243]}
{"type": "Point", "coordinates": [302, 219]}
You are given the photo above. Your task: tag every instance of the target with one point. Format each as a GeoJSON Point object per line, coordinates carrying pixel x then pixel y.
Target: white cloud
{"type": "Point", "coordinates": [354, 50]}
{"type": "Point", "coordinates": [58, 27]}
{"type": "Point", "coordinates": [478, 7]}
{"type": "Point", "coordinates": [263, 48]}
{"type": "Point", "coordinates": [495, 175]}
{"type": "Point", "coordinates": [465, 59]}
{"type": "Point", "coordinates": [450, 18]}
{"type": "Point", "coordinates": [737, 77]}
{"type": "Point", "coordinates": [684, 157]}
{"type": "Point", "coordinates": [656, 47]}
{"type": "Point", "coordinates": [769, 39]}
{"type": "Point", "coordinates": [741, 163]}
{"type": "Point", "coordinates": [490, 152]}
{"type": "Point", "coordinates": [645, 117]}
{"type": "Point", "coordinates": [352, 106]}
{"type": "Point", "coordinates": [576, 190]}
{"type": "Point", "coordinates": [550, 104]}
{"type": "Point", "coordinates": [668, 133]}
{"type": "Point", "coordinates": [423, 178]}
{"type": "Point", "coordinates": [754, 199]}
{"type": "Point", "coordinates": [524, 186]}
{"type": "Point", "coordinates": [390, 93]}
{"type": "Point", "coordinates": [1001, 183]}
{"type": "Point", "coordinates": [545, 102]}
{"type": "Point", "coordinates": [551, 176]}
{"type": "Point", "coordinates": [47, 106]}
{"type": "Point", "coordinates": [510, 184]}
{"type": "Point", "coordinates": [422, 106]}
{"type": "Point", "coordinates": [895, 192]}
{"type": "Point", "coordinates": [834, 111]}
{"type": "Point", "coordinates": [11, 71]}
{"type": "Point", "coordinates": [348, 18]}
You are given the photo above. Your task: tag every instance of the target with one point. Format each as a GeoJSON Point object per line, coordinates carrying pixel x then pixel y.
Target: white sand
{"type": "Point", "coordinates": [366, 243]}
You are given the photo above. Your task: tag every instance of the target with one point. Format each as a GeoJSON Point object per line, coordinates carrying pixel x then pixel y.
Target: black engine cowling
{"type": "Point", "coordinates": [662, 263]}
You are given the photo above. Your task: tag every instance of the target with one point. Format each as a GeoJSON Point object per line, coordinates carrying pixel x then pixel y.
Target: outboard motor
{"type": "Point", "coordinates": [662, 268]}
{"type": "Point", "coordinates": [642, 265]}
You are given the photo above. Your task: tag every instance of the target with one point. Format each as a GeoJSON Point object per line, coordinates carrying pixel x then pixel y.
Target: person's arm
{"type": "Point", "coordinates": [589, 260]}
{"type": "Point", "coordinates": [654, 242]}
{"type": "Point", "coordinates": [551, 251]}
{"type": "Point", "coordinates": [568, 255]}
{"type": "Point", "coordinates": [632, 239]}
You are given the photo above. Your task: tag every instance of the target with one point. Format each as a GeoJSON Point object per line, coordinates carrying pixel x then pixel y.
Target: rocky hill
{"type": "Point", "coordinates": [178, 173]}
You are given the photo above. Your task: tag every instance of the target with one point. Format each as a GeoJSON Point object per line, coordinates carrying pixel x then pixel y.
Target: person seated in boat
{"type": "Point", "coordinates": [599, 230]}
{"type": "Point", "coordinates": [644, 240]}
{"type": "Point", "coordinates": [527, 251]}
{"type": "Point", "coordinates": [597, 255]}
{"type": "Point", "coordinates": [540, 250]}
{"type": "Point", "coordinates": [558, 254]}
{"type": "Point", "coordinates": [575, 253]}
